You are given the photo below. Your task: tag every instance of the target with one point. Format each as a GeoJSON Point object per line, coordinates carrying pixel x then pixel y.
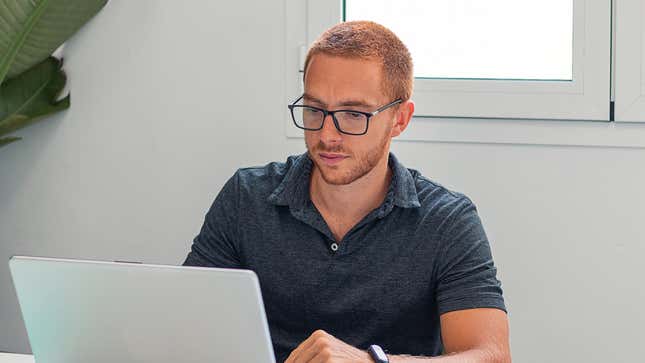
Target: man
{"type": "Point", "coordinates": [351, 248]}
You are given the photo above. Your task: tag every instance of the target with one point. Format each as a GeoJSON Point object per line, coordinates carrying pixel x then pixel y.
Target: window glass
{"type": "Point", "coordinates": [475, 39]}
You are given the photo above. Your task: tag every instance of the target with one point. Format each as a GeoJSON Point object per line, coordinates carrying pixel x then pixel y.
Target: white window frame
{"type": "Point", "coordinates": [630, 61]}
{"type": "Point", "coordinates": [567, 113]}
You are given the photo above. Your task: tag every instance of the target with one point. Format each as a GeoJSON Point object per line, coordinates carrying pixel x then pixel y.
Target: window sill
{"type": "Point", "coordinates": [523, 132]}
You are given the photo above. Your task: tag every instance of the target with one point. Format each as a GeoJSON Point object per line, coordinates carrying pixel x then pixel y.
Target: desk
{"type": "Point", "coordinates": [16, 358]}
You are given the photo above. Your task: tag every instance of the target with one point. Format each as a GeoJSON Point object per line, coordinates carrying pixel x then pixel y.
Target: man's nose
{"type": "Point", "coordinates": [329, 133]}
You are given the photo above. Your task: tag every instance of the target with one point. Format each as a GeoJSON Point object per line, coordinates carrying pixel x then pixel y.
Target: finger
{"type": "Point", "coordinates": [307, 354]}
{"type": "Point", "coordinates": [321, 356]}
{"type": "Point", "coordinates": [294, 357]}
{"type": "Point", "coordinates": [293, 354]}
{"type": "Point", "coordinates": [310, 347]}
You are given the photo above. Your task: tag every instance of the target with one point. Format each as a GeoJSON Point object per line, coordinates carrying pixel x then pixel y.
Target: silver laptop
{"type": "Point", "coordinates": [106, 312]}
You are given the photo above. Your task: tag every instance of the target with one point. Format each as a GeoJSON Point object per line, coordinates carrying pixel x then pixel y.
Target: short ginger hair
{"type": "Point", "coordinates": [369, 40]}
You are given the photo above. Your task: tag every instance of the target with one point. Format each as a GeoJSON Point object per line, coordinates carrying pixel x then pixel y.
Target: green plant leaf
{"type": "Point", "coordinates": [30, 30]}
{"type": "Point", "coordinates": [8, 140]}
{"type": "Point", "coordinates": [31, 95]}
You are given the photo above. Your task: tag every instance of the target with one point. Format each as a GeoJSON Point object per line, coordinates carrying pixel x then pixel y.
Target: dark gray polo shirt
{"type": "Point", "coordinates": [422, 253]}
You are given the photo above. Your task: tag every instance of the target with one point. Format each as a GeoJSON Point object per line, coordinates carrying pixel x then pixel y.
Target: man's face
{"type": "Point", "coordinates": [336, 83]}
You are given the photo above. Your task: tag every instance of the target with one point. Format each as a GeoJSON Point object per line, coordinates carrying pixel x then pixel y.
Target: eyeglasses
{"type": "Point", "coordinates": [350, 122]}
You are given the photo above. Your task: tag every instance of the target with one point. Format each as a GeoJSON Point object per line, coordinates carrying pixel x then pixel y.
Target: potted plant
{"type": "Point", "coordinates": [31, 80]}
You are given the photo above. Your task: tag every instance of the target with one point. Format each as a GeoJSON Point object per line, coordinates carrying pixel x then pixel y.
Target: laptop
{"type": "Point", "coordinates": [79, 311]}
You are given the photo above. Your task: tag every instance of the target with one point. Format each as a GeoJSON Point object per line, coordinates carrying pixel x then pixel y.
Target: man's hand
{"type": "Point", "coordinates": [322, 347]}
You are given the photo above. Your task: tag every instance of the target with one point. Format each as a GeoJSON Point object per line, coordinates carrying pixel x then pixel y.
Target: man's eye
{"type": "Point", "coordinates": [354, 115]}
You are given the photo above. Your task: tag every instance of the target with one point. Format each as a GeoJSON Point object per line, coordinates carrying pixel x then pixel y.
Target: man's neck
{"type": "Point", "coordinates": [355, 200]}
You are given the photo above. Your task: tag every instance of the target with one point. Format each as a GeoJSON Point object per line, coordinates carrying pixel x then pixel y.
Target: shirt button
{"type": "Point", "coordinates": [334, 247]}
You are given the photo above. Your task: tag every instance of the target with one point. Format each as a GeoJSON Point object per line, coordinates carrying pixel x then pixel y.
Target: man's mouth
{"type": "Point", "coordinates": [332, 158]}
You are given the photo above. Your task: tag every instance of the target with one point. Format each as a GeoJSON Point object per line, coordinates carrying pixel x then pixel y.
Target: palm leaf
{"type": "Point", "coordinates": [31, 95]}
{"type": "Point", "coordinates": [8, 140]}
{"type": "Point", "coordinates": [30, 30]}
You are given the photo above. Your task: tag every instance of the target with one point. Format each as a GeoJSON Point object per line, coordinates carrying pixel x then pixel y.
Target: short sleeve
{"type": "Point", "coordinates": [466, 274]}
{"type": "Point", "coordinates": [216, 243]}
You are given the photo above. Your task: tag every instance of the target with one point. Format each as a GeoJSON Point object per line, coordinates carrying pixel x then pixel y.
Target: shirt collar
{"type": "Point", "coordinates": [403, 186]}
{"type": "Point", "coordinates": [293, 191]}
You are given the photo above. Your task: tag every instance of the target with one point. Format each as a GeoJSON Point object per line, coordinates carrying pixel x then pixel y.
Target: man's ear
{"type": "Point", "coordinates": [402, 118]}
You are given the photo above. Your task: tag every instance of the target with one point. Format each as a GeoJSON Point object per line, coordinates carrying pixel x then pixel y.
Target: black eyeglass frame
{"type": "Point", "coordinates": [368, 115]}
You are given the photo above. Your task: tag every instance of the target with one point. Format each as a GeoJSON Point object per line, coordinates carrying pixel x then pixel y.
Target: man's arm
{"type": "Point", "coordinates": [473, 335]}
{"type": "Point", "coordinates": [469, 336]}
{"type": "Point", "coordinates": [474, 325]}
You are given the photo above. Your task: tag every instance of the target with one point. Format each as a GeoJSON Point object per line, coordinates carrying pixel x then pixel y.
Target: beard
{"type": "Point", "coordinates": [358, 165]}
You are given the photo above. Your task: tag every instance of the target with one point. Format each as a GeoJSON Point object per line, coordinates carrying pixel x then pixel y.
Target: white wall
{"type": "Point", "coordinates": [169, 98]}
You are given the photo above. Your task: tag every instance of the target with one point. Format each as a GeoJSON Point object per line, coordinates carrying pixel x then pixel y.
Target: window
{"type": "Point", "coordinates": [510, 71]}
